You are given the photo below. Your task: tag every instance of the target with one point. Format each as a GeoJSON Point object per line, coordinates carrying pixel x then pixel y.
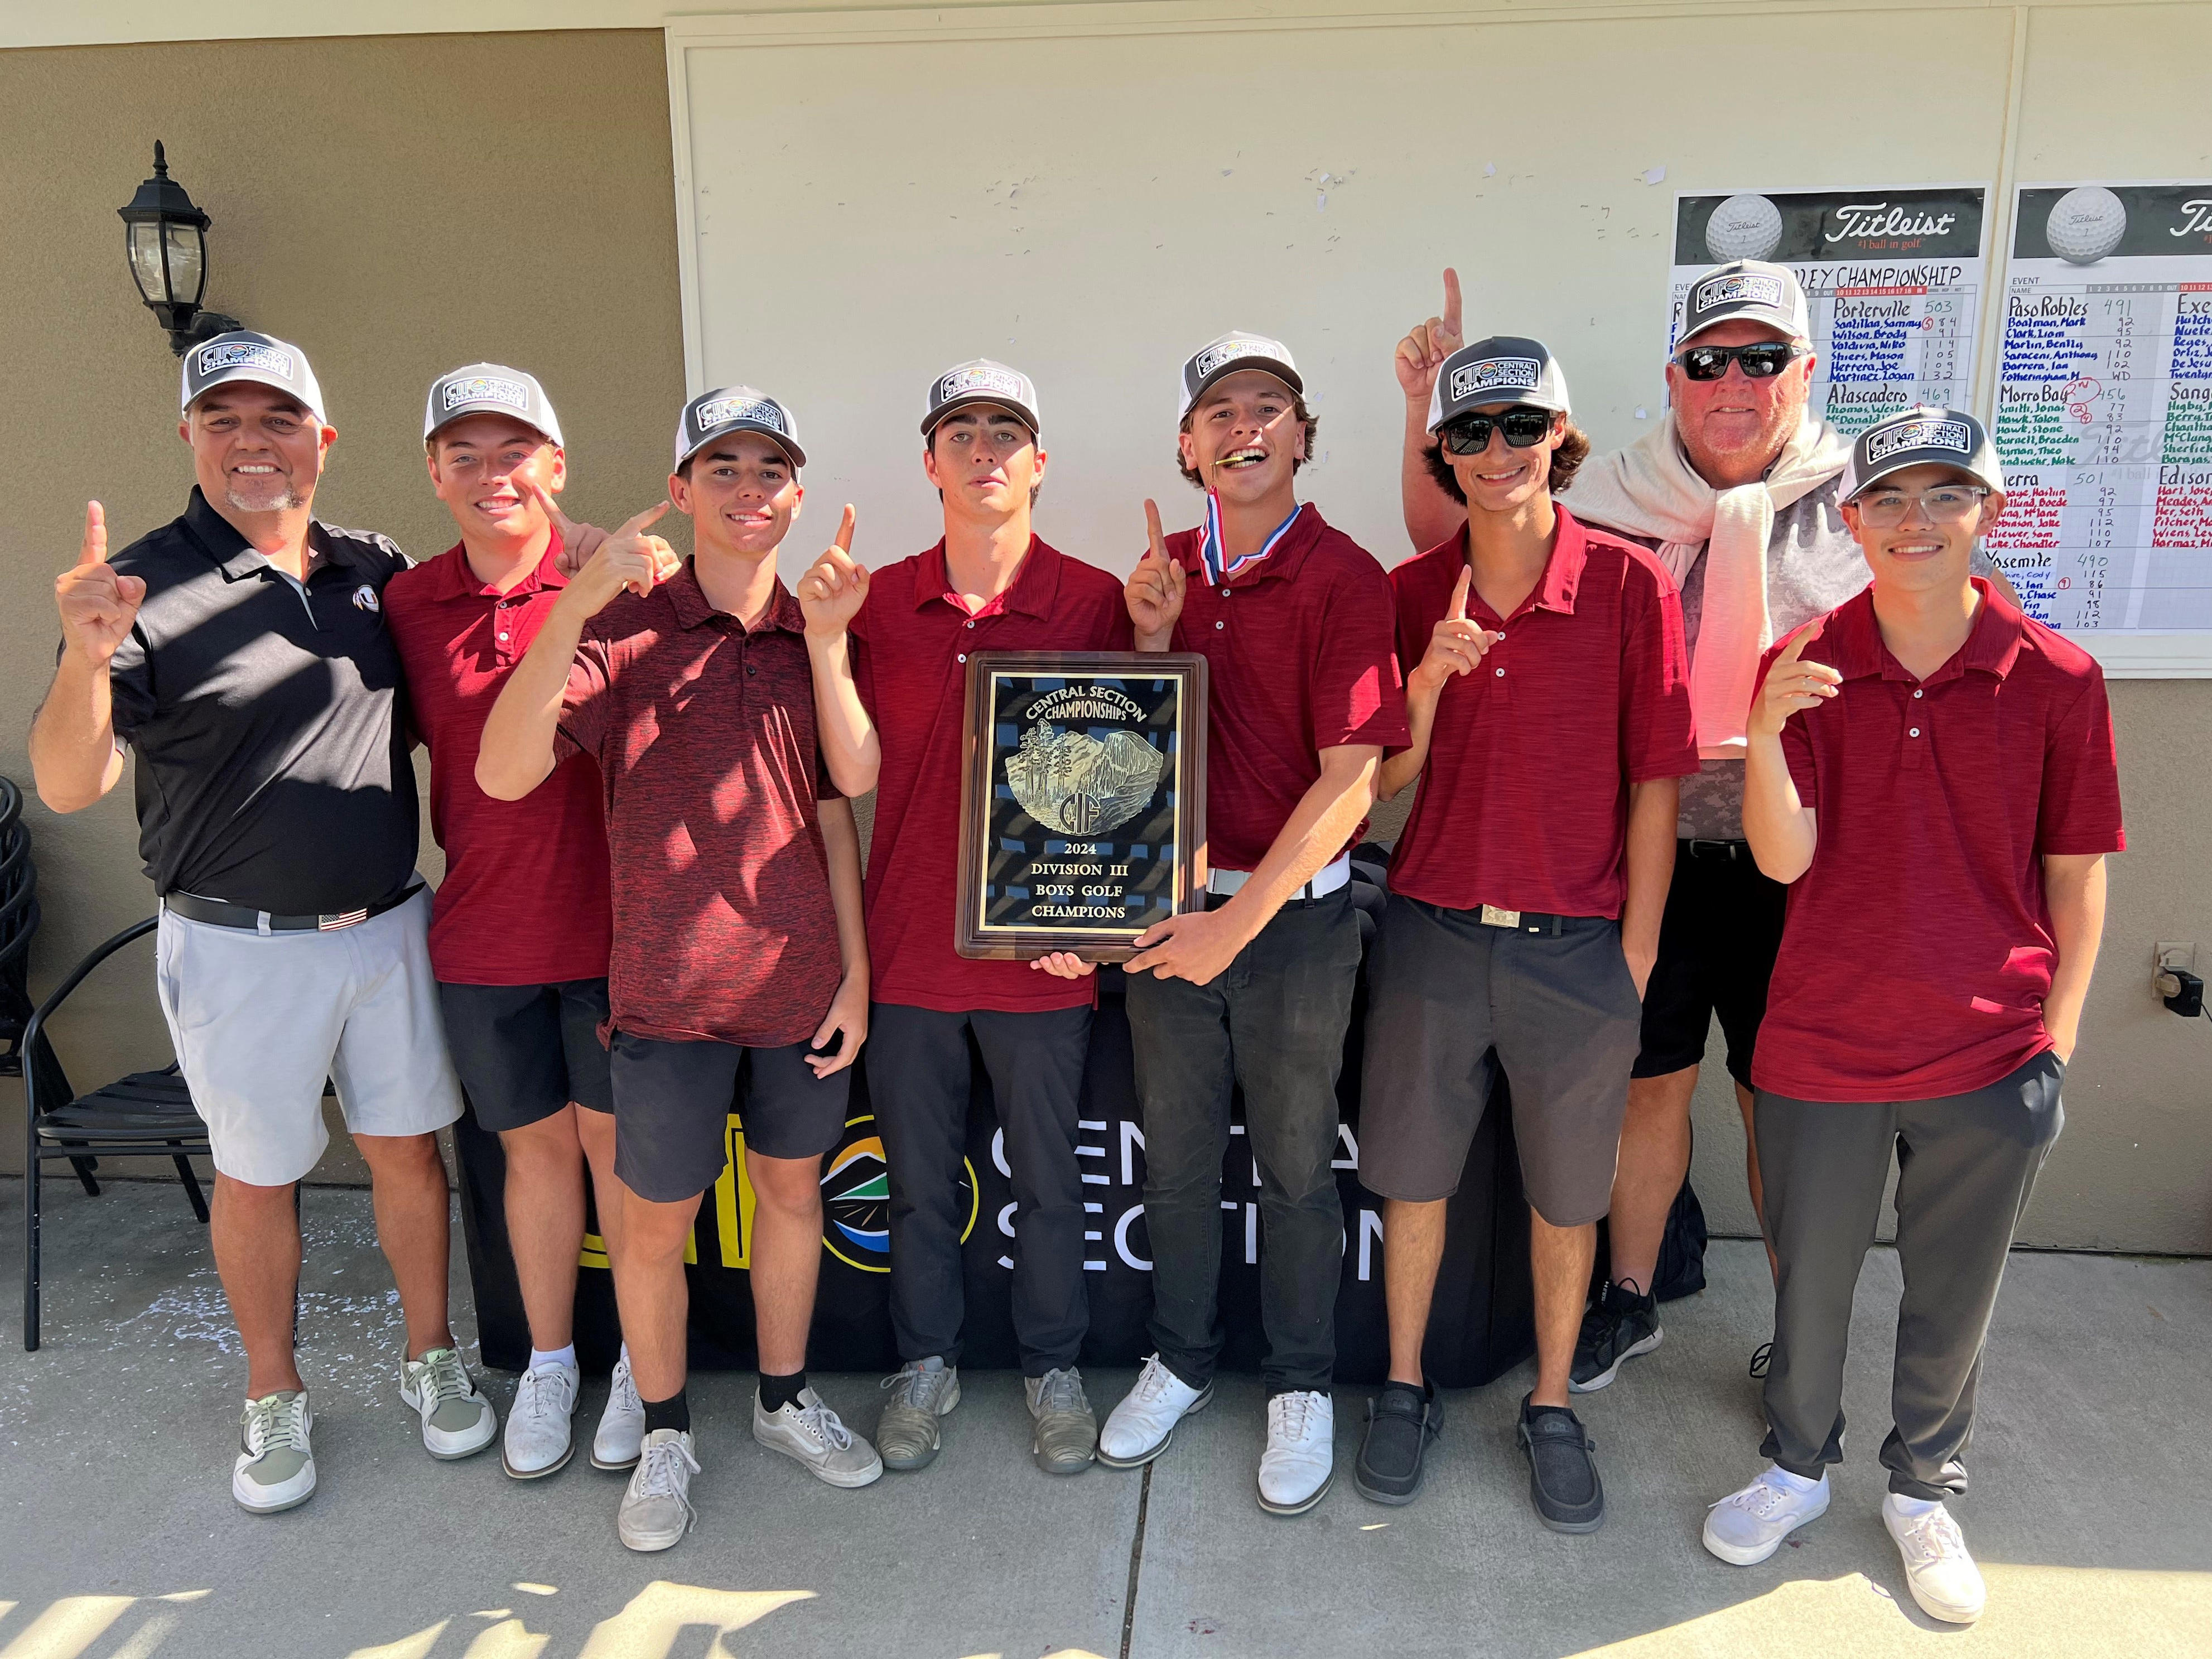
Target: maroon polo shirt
{"type": "Point", "coordinates": [1918, 949]}
{"type": "Point", "coordinates": [1299, 660]}
{"type": "Point", "coordinates": [704, 731]}
{"type": "Point", "coordinates": [524, 898]}
{"type": "Point", "coordinates": [910, 646]}
{"type": "Point", "coordinates": [1523, 803]}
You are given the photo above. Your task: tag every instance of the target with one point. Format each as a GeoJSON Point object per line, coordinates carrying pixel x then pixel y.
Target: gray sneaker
{"type": "Point", "coordinates": [811, 1434]}
{"type": "Point", "coordinates": [923, 1391]}
{"type": "Point", "coordinates": [456, 1420]}
{"type": "Point", "coordinates": [1066, 1428]}
{"type": "Point", "coordinates": [656, 1507]}
{"type": "Point", "coordinates": [276, 1466]}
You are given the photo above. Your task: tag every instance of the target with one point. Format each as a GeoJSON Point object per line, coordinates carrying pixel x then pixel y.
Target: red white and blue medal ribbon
{"type": "Point", "coordinates": [1212, 546]}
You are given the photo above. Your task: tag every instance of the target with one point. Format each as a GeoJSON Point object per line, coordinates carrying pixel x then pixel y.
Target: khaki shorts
{"type": "Point", "coordinates": [259, 1020]}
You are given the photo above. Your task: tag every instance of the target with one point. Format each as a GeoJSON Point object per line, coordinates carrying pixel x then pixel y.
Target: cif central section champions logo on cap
{"type": "Point", "coordinates": [980, 380]}
{"type": "Point", "coordinates": [1748, 290]}
{"type": "Point", "coordinates": [1742, 289]}
{"type": "Point", "coordinates": [245, 354]}
{"type": "Point", "coordinates": [1233, 353]}
{"type": "Point", "coordinates": [1948, 438]}
{"type": "Point", "coordinates": [735, 409]}
{"type": "Point", "coordinates": [1506, 369]}
{"type": "Point", "coordinates": [856, 1198]}
{"type": "Point", "coordinates": [1918, 432]}
{"type": "Point", "coordinates": [489, 389]}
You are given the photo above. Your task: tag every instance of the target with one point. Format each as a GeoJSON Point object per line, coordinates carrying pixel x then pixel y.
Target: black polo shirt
{"type": "Point", "coordinates": [268, 723]}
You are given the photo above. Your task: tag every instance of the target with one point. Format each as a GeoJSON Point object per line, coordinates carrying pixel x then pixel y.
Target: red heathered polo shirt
{"type": "Point", "coordinates": [524, 897]}
{"type": "Point", "coordinates": [910, 646]}
{"type": "Point", "coordinates": [1918, 948]}
{"type": "Point", "coordinates": [1299, 649]}
{"type": "Point", "coordinates": [704, 733]}
{"type": "Point", "coordinates": [1524, 801]}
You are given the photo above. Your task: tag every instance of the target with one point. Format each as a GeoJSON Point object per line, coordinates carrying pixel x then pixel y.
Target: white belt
{"type": "Point", "coordinates": [1222, 883]}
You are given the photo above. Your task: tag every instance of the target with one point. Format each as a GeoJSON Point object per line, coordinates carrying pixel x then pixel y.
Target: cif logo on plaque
{"type": "Point", "coordinates": [1082, 812]}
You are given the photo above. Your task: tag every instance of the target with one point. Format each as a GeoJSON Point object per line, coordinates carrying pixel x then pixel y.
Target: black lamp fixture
{"type": "Point", "coordinates": [166, 237]}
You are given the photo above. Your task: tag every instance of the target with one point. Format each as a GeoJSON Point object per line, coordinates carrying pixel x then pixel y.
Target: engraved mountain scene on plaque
{"type": "Point", "coordinates": [1073, 782]}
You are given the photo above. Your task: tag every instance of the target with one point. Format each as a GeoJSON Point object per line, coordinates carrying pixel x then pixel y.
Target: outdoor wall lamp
{"type": "Point", "coordinates": [166, 237]}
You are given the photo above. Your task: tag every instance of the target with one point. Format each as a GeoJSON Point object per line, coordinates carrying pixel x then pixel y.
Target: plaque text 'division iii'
{"type": "Point", "coordinates": [1082, 810]}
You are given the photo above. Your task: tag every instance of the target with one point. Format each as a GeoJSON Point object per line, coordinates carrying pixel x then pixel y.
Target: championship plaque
{"type": "Point", "coordinates": [1083, 801]}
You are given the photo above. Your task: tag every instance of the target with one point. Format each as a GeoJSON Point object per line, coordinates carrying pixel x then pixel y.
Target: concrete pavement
{"type": "Point", "coordinates": [119, 1540]}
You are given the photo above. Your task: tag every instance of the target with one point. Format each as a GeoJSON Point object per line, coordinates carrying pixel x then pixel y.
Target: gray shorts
{"type": "Point", "coordinates": [524, 1052]}
{"type": "Point", "coordinates": [1452, 1003]}
{"type": "Point", "coordinates": [260, 1020]}
{"type": "Point", "coordinates": [681, 1107]}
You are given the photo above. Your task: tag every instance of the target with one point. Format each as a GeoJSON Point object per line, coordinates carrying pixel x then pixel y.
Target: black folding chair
{"type": "Point", "coordinates": [147, 1114]}
{"type": "Point", "coordinates": [19, 920]}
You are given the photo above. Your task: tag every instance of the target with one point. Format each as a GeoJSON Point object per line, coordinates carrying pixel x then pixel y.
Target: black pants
{"type": "Point", "coordinates": [1274, 1023]}
{"type": "Point", "coordinates": [918, 1079]}
{"type": "Point", "coordinates": [1966, 1168]}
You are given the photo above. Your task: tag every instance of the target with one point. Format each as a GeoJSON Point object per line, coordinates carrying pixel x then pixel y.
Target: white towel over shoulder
{"type": "Point", "coordinates": [1650, 490]}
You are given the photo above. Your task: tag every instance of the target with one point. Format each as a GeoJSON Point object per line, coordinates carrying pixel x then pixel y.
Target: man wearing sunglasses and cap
{"type": "Point", "coordinates": [1932, 774]}
{"type": "Point", "coordinates": [738, 972]}
{"type": "Point", "coordinates": [890, 650]}
{"type": "Point", "coordinates": [1738, 492]}
{"type": "Point", "coordinates": [241, 652]}
{"type": "Point", "coordinates": [1255, 990]}
{"type": "Point", "coordinates": [1549, 710]}
{"type": "Point", "coordinates": [520, 929]}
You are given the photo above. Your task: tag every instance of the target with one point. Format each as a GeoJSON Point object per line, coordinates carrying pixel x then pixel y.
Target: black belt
{"type": "Point", "coordinates": [219, 913]}
{"type": "Point", "coordinates": [1718, 850]}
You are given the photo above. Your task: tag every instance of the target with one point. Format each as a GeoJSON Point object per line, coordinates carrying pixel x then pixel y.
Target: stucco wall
{"type": "Point", "coordinates": [395, 206]}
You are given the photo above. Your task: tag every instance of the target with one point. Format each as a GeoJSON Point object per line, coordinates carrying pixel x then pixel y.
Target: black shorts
{"type": "Point", "coordinates": [523, 1052]}
{"type": "Point", "coordinates": [1453, 1002]}
{"type": "Point", "coordinates": [1717, 943]}
{"type": "Point", "coordinates": [678, 1103]}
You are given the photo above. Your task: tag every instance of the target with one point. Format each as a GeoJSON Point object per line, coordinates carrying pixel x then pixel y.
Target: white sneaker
{"type": "Point", "coordinates": [656, 1507]}
{"type": "Point", "coordinates": [1141, 1427]}
{"type": "Point", "coordinates": [1300, 1461]}
{"type": "Point", "coordinates": [540, 1436]}
{"type": "Point", "coordinates": [621, 1424]}
{"type": "Point", "coordinates": [1939, 1572]}
{"type": "Point", "coordinates": [811, 1434]}
{"type": "Point", "coordinates": [456, 1420]}
{"type": "Point", "coordinates": [1747, 1527]}
{"type": "Point", "coordinates": [276, 1466]}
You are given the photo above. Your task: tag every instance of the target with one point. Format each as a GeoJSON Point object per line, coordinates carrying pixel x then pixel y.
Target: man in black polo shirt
{"type": "Point", "coordinates": [240, 650]}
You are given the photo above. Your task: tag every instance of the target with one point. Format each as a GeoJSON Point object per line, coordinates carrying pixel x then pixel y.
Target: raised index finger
{"type": "Point", "coordinates": [844, 543]}
{"type": "Point", "coordinates": [1805, 636]}
{"type": "Point", "coordinates": [1153, 534]}
{"type": "Point", "coordinates": [1452, 301]}
{"type": "Point", "coordinates": [537, 493]}
{"type": "Point", "coordinates": [637, 522]}
{"type": "Point", "coordinates": [93, 551]}
{"type": "Point", "coordinates": [1459, 594]}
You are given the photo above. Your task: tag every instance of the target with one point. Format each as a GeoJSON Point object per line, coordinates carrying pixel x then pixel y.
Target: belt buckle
{"type": "Point", "coordinates": [1494, 917]}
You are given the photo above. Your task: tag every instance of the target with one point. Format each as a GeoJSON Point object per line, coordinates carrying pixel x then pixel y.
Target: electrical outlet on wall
{"type": "Point", "coordinates": [2168, 954]}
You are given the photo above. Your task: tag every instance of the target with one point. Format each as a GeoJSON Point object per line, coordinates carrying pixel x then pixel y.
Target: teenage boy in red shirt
{"type": "Point", "coordinates": [518, 933]}
{"type": "Point", "coordinates": [738, 949]}
{"type": "Point", "coordinates": [1255, 990]}
{"type": "Point", "coordinates": [1932, 774]}
{"type": "Point", "coordinates": [889, 653]}
{"type": "Point", "coordinates": [1550, 715]}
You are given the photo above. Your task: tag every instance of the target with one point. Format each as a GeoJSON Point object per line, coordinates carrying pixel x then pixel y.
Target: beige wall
{"type": "Point", "coordinates": [354, 238]}
{"type": "Point", "coordinates": [395, 206]}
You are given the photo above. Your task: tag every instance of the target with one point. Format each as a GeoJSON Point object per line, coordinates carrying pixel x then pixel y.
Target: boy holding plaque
{"type": "Point", "coordinates": [889, 651]}
{"type": "Point", "coordinates": [740, 968]}
{"type": "Point", "coordinates": [1550, 713]}
{"type": "Point", "coordinates": [1255, 988]}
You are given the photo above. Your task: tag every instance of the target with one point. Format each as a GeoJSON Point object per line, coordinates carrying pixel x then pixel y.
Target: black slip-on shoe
{"type": "Point", "coordinates": [1401, 1421]}
{"type": "Point", "coordinates": [1618, 1326]}
{"type": "Point", "coordinates": [1563, 1481]}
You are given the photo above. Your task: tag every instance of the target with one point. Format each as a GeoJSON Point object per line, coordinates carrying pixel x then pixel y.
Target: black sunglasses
{"type": "Point", "coordinates": [1760, 361]}
{"type": "Point", "coordinates": [1522, 425]}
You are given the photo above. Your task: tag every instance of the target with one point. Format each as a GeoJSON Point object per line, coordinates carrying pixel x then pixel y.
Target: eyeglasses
{"type": "Point", "coordinates": [1761, 361]}
{"type": "Point", "coordinates": [1523, 425]}
{"type": "Point", "coordinates": [1885, 509]}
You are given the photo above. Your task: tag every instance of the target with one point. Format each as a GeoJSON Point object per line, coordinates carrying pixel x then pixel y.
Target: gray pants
{"type": "Point", "coordinates": [1274, 1025]}
{"type": "Point", "coordinates": [1966, 1166]}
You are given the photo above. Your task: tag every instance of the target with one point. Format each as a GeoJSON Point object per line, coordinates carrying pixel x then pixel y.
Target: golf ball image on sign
{"type": "Point", "coordinates": [1745, 227]}
{"type": "Point", "coordinates": [2085, 224]}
